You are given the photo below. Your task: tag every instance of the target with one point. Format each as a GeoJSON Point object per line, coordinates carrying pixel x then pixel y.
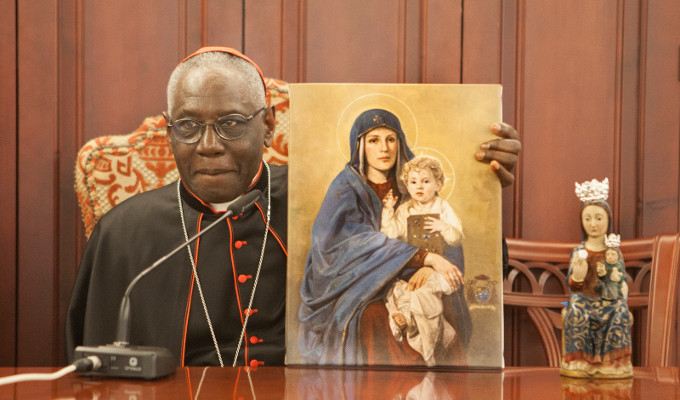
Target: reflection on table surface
{"type": "Point", "coordinates": [325, 383]}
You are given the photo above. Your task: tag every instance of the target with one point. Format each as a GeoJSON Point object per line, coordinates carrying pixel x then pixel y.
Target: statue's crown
{"type": "Point", "coordinates": [594, 190]}
{"type": "Point", "coordinates": [613, 240]}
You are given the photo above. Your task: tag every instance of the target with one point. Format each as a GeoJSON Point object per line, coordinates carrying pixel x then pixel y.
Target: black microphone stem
{"type": "Point", "coordinates": [123, 329]}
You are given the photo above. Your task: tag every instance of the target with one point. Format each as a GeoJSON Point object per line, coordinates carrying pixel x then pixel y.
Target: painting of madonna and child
{"type": "Point", "coordinates": [394, 227]}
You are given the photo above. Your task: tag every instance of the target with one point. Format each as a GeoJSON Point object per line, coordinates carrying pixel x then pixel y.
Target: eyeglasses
{"type": "Point", "coordinates": [228, 127]}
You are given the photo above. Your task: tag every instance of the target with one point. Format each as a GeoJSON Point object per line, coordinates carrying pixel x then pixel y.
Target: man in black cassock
{"type": "Point", "coordinates": [219, 119]}
{"type": "Point", "coordinates": [217, 163]}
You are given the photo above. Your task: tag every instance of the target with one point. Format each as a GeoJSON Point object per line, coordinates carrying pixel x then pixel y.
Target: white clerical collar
{"type": "Point", "coordinates": [219, 207]}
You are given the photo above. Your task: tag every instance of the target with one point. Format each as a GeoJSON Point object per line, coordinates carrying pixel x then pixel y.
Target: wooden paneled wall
{"type": "Point", "coordinates": [592, 86]}
{"type": "Point", "coordinates": [8, 179]}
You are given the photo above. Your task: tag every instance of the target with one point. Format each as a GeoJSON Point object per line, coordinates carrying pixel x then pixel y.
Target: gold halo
{"type": "Point", "coordinates": [447, 166]}
{"type": "Point", "coordinates": [374, 100]}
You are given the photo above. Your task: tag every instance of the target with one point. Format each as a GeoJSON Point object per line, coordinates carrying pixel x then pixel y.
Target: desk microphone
{"type": "Point", "coordinates": [121, 359]}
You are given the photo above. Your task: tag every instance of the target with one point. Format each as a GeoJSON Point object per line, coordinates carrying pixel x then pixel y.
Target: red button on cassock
{"type": "Point", "coordinates": [255, 363]}
{"type": "Point", "coordinates": [239, 243]}
{"type": "Point", "coordinates": [255, 339]}
{"type": "Point", "coordinates": [243, 278]}
{"type": "Point", "coordinates": [250, 312]}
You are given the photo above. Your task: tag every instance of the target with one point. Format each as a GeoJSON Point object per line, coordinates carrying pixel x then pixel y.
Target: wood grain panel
{"type": "Point", "coordinates": [191, 29]}
{"type": "Point", "coordinates": [442, 56]}
{"type": "Point", "coordinates": [413, 14]}
{"type": "Point", "coordinates": [126, 67]}
{"type": "Point", "coordinates": [8, 169]}
{"type": "Point", "coordinates": [630, 120]}
{"type": "Point", "coordinates": [661, 175]}
{"type": "Point", "coordinates": [291, 40]}
{"type": "Point", "coordinates": [70, 133]}
{"type": "Point", "coordinates": [223, 23]}
{"type": "Point", "coordinates": [263, 34]}
{"type": "Point", "coordinates": [37, 192]}
{"type": "Point", "coordinates": [509, 71]}
{"type": "Point", "coordinates": [568, 103]}
{"type": "Point", "coordinates": [352, 41]}
{"type": "Point", "coordinates": [482, 42]}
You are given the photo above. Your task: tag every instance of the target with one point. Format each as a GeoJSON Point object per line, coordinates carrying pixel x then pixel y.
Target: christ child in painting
{"type": "Point", "coordinates": [417, 314]}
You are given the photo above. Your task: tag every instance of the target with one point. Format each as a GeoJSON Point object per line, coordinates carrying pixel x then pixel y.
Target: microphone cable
{"type": "Point", "coordinates": [91, 363]}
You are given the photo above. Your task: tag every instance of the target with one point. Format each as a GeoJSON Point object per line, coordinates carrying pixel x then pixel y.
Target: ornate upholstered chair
{"type": "Point", "coordinates": [536, 285]}
{"type": "Point", "coordinates": [109, 169]}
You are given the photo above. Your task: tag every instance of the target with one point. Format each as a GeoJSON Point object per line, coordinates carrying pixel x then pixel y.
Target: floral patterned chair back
{"type": "Point", "coordinates": [110, 169]}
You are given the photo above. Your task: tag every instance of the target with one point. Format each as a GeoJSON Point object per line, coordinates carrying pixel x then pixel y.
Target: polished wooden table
{"type": "Point", "coordinates": [320, 383]}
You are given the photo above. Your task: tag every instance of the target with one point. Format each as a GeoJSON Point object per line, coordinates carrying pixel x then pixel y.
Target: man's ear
{"type": "Point", "coordinates": [270, 122]}
{"type": "Point", "coordinates": [168, 133]}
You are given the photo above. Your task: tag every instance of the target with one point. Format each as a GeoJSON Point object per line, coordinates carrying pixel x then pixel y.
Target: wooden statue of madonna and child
{"type": "Point", "coordinates": [597, 322]}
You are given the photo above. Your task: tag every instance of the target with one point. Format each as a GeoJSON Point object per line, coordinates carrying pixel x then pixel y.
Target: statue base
{"type": "Point", "coordinates": [583, 369]}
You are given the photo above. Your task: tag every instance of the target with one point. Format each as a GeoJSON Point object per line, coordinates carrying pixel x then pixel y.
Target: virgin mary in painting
{"type": "Point", "coordinates": [351, 264]}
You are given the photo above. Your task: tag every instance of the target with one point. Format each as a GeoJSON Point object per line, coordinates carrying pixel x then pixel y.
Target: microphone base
{"type": "Point", "coordinates": [139, 362]}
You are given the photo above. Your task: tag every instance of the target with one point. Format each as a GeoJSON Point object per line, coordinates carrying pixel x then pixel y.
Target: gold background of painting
{"type": "Point", "coordinates": [448, 122]}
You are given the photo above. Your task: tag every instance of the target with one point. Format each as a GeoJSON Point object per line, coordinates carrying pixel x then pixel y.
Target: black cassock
{"type": "Point", "coordinates": [166, 306]}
